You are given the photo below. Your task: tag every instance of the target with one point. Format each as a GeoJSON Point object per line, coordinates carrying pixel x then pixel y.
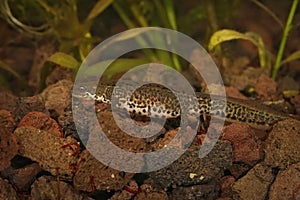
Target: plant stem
{"type": "Point", "coordinates": [287, 29]}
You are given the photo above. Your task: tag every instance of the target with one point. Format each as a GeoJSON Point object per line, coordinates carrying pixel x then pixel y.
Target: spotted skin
{"type": "Point", "coordinates": [156, 101]}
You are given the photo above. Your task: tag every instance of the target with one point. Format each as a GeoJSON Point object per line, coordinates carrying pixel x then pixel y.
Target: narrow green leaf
{"type": "Point", "coordinates": [117, 66]}
{"type": "Point", "coordinates": [294, 56]}
{"type": "Point", "coordinates": [138, 15]}
{"type": "Point", "coordinates": [64, 60]}
{"type": "Point", "coordinates": [100, 6]}
{"type": "Point", "coordinates": [123, 14]}
{"type": "Point", "coordinates": [290, 93]}
{"type": "Point", "coordinates": [134, 34]}
{"type": "Point", "coordinates": [227, 35]}
{"type": "Point", "coordinates": [169, 6]}
{"type": "Point", "coordinates": [264, 55]}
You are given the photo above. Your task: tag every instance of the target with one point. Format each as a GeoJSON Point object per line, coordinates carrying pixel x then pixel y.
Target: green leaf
{"type": "Point", "coordinates": [294, 56]}
{"type": "Point", "coordinates": [64, 60]}
{"type": "Point", "coordinates": [264, 55]}
{"type": "Point", "coordinates": [100, 6]}
{"type": "Point", "coordinates": [290, 93]}
{"type": "Point", "coordinates": [133, 34]}
{"type": "Point", "coordinates": [227, 35]}
{"type": "Point", "coordinates": [85, 47]}
{"type": "Point", "coordinates": [117, 66]}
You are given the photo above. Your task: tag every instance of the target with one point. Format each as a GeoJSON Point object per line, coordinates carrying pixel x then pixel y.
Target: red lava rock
{"type": "Point", "coordinates": [236, 66]}
{"type": "Point", "coordinates": [286, 184]}
{"type": "Point", "coordinates": [259, 179]}
{"type": "Point", "coordinates": [266, 87]}
{"type": "Point", "coordinates": [189, 169]}
{"type": "Point", "coordinates": [208, 191]}
{"type": "Point", "coordinates": [234, 92]}
{"type": "Point", "coordinates": [296, 102]}
{"type": "Point", "coordinates": [8, 146]}
{"type": "Point", "coordinates": [43, 122]}
{"type": "Point", "coordinates": [26, 105]}
{"type": "Point", "coordinates": [54, 154]}
{"type": "Point", "coordinates": [116, 135]}
{"type": "Point", "coordinates": [92, 175]}
{"type": "Point", "coordinates": [150, 192]}
{"type": "Point", "coordinates": [287, 83]}
{"type": "Point", "coordinates": [124, 195]}
{"type": "Point", "coordinates": [7, 120]}
{"type": "Point", "coordinates": [7, 191]}
{"type": "Point", "coordinates": [22, 178]}
{"type": "Point", "coordinates": [243, 80]}
{"type": "Point", "coordinates": [239, 169]}
{"type": "Point", "coordinates": [47, 187]}
{"type": "Point", "coordinates": [59, 73]}
{"type": "Point", "coordinates": [226, 183]}
{"type": "Point", "coordinates": [282, 145]}
{"type": "Point", "coordinates": [7, 100]}
{"type": "Point", "coordinates": [132, 187]}
{"type": "Point", "coordinates": [168, 137]}
{"type": "Point", "coordinates": [58, 96]}
{"type": "Point", "coordinates": [128, 191]}
{"type": "Point", "coordinates": [67, 124]}
{"type": "Point", "coordinates": [245, 147]}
